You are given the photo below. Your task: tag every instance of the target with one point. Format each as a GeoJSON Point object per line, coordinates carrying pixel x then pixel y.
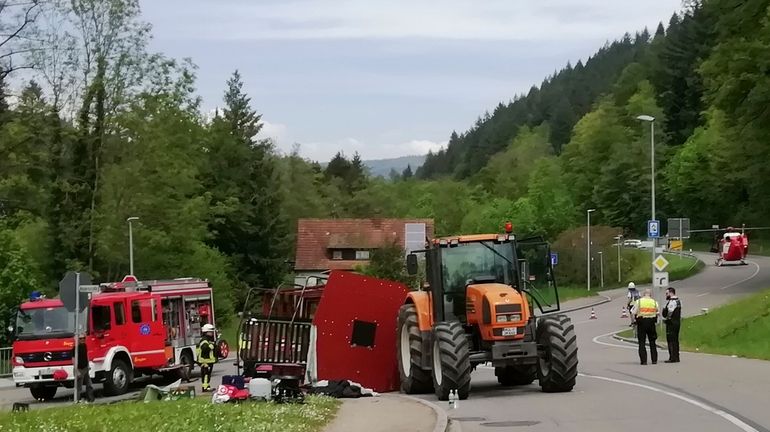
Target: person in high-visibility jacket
{"type": "Point", "coordinates": [646, 312]}
{"type": "Point", "coordinates": [206, 356]}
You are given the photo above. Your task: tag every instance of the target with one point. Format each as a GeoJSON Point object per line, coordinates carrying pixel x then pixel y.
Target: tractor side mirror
{"type": "Point", "coordinates": [411, 264]}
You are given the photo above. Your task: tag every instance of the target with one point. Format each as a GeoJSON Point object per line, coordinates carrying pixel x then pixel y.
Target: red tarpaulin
{"type": "Point", "coordinates": [356, 330]}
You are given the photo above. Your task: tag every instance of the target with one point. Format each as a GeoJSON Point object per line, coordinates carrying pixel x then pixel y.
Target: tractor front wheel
{"type": "Point", "coordinates": [451, 361]}
{"type": "Point", "coordinates": [557, 363]}
{"type": "Point", "coordinates": [414, 379]}
{"type": "Point", "coordinates": [516, 375]}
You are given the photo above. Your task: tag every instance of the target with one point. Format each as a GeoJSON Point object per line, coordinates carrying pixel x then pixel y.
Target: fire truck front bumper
{"type": "Point", "coordinates": [27, 376]}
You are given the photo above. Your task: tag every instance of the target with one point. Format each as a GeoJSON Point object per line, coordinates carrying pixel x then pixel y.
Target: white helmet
{"type": "Point", "coordinates": [631, 285]}
{"type": "Point", "coordinates": [208, 328]}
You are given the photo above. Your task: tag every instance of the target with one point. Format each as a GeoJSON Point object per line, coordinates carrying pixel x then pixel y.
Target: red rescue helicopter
{"type": "Point", "coordinates": [731, 244]}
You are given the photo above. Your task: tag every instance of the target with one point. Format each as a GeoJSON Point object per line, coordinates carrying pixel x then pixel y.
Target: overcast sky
{"type": "Point", "coordinates": [384, 78]}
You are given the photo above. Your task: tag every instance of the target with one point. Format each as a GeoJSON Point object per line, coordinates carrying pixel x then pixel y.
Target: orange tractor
{"type": "Point", "coordinates": [478, 308]}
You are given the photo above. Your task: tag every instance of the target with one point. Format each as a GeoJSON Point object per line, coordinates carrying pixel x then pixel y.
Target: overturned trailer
{"type": "Point", "coordinates": [341, 327]}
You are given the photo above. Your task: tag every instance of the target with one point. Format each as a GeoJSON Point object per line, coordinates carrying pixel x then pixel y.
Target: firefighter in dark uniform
{"type": "Point", "coordinates": [672, 316]}
{"type": "Point", "coordinates": [206, 356]}
{"type": "Point", "coordinates": [646, 312]}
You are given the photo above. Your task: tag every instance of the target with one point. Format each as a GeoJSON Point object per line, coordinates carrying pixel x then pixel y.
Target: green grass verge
{"type": "Point", "coordinates": [574, 292]}
{"type": "Point", "coordinates": [187, 415]}
{"type": "Point", "coordinates": [679, 267]}
{"type": "Point", "coordinates": [741, 328]}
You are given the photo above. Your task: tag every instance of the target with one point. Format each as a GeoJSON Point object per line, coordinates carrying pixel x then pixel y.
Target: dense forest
{"type": "Point", "coordinates": [100, 129]}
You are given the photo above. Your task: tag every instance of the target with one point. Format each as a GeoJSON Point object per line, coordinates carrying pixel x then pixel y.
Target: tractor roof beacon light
{"type": "Point", "coordinates": [508, 227]}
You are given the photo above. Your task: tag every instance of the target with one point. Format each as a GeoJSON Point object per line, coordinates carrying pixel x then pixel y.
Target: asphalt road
{"type": "Point", "coordinates": [615, 393]}
{"type": "Point", "coordinates": [10, 394]}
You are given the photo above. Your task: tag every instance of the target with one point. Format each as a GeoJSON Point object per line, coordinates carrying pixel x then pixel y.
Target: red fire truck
{"type": "Point", "coordinates": [133, 328]}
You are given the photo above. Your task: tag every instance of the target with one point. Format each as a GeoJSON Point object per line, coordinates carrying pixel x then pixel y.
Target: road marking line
{"type": "Point", "coordinates": [597, 341]}
{"type": "Point", "coordinates": [704, 294]}
{"type": "Point", "coordinates": [727, 416]}
{"type": "Point", "coordinates": [744, 280]}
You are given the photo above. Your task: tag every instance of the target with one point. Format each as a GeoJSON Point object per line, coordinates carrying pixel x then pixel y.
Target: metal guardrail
{"type": "Point", "coordinates": [6, 367]}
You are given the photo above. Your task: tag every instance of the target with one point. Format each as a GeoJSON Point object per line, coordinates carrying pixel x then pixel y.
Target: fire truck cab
{"type": "Point", "coordinates": [133, 328]}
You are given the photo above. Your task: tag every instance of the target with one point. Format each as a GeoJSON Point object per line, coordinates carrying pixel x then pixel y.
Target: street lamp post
{"type": "Point", "coordinates": [618, 238]}
{"type": "Point", "coordinates": [601, 268]}
{"type": "Point", "coordinates": [651, 120]}
{"type": "Point", "coordinates": [131, 244]}
{"type": "Point", "coordinates": [588, 247]}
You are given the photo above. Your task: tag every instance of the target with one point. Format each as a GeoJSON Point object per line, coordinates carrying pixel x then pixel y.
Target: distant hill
{"type": "Point", "coordinates": [382, 167]}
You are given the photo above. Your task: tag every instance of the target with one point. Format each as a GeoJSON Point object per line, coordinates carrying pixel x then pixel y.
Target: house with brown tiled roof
{"type": "Point", "coordinates": [342, 244]}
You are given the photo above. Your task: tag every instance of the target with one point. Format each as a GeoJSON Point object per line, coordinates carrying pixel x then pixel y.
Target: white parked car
{"type": "Point", "coordinates": [632, 243]}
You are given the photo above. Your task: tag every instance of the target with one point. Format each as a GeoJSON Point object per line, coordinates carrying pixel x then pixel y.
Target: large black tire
{"type": "Point", "coordinates": [43, 393]}
{"type": "Point", "coordinates": [188, 364]}
{"type": "Point", "coordinates": [451, 361]}
{"type": "Point", "coordinates": [118, 378]}
{"type": "Point", "coordinates": [516, 375]}
{"type": "Point", "coordinates": [558, 361]}
{"type": "Point", "coordinates": [414, 379]}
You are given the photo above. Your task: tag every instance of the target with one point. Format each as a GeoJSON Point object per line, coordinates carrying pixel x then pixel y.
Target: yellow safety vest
{"type": "Point", "coordinates": [211, 357]}
{"type": "Point", "coordinates": [646, 308]}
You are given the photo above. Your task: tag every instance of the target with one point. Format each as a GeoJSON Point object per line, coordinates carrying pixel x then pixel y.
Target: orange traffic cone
{"type": "Point", "coordinates": [624, 312]}
{"type": "Point", "coordinates": [593, 314]}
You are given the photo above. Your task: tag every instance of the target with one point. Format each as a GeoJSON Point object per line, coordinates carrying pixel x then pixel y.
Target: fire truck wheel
{"type": "Point", "coordinates": [516, 375]}
{"type": "Point", "coordinates": [186, 360]}
{"type": "Point", "coordinates": [43, 393]}
{"type": "Point", "coordinates": [414, 379]}
{"type": "Point", "coordinates": [451, 361]}
{"type": "Point", "coordinates": [557, 364]}
{"type": "Point", "coordinates": [118, 379]}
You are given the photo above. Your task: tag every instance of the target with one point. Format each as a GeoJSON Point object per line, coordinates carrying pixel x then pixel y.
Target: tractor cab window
{"type": "Point", "coordinates": [466, 262]}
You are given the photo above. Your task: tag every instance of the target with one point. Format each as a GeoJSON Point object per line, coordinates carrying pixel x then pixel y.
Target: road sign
{"type": "Point", "coordinates": [653, 228]}
{"type": "Point", "coordinates": [68, 290]}
{"type": "Point", "coordinates": [89, 288]}
{"type": "Point", "coordinates": [660, 263]}
{"type": "Point", "coordinates": [661, 280]}
{"type": "Point", "coordinates": [554, 258]}
{"type": "Point", "coordinates": [679, 228]}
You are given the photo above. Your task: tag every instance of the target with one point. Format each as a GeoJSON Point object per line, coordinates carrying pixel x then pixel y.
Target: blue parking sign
{"type": "Point", "coordinates": [554, 258]}
{"type": "Point", "coordinates": [653, 229]}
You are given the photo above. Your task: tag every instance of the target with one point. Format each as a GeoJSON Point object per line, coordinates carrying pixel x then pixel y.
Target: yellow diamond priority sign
{"type": "Point", "coordinates": [660, 263]}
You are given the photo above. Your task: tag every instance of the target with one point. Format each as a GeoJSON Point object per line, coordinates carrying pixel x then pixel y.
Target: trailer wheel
{"type": "Point", "coordinates": [451, 361]}
{"type": "Point", "coordinates": [414, 379]}
{"type": "Point", "coordinates": [43, 393]}
{"type": "Point", "coordinates": [223, 349]}
{"type": "Point", "coordinates": [516, 375]}
{"type": "Point", "coordinates": [118, 378]}
{"type": "Point", "coordinates": [557, 363]}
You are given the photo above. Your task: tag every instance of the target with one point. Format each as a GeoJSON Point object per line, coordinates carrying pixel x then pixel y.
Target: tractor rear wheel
{"type": "Point", "coordinates": [557, 363]}
{"type": "Point", "coordinates": [414, 379]}
{"type": "Point", "coordinates": [451, 361]}
{"type": "Point", "coordinates": [516, 375]}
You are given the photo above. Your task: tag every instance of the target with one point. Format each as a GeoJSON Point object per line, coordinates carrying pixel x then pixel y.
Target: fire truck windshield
{"type": "Point", "coordinates": [41, 323]}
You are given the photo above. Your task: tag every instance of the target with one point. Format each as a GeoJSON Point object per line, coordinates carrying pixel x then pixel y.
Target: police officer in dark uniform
{"type": "Point", "coordinates": [672, 316]}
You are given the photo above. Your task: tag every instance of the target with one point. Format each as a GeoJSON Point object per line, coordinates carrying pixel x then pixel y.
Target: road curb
{"type": "Point", "coordinates": [442, 420]}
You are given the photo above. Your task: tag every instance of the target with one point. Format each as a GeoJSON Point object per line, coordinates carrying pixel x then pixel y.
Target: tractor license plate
{"type": "Point", "coordinates": [509, 331]}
